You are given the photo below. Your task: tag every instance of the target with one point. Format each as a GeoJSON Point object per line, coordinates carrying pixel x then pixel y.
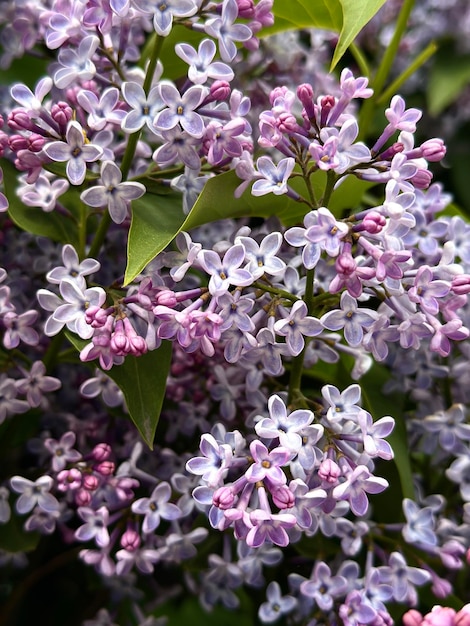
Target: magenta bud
{"type": "Point", "coordinates": [422, 179]}
{"type": "Point", "coordinates": [18, 142]}
{"type": "Point", "coordinates": [36, 142]}
{"type": "Point", "coordinates": [463, 616]}
{"type": "Point", "coordinates": [329, 471]}
{"type": "Point", "coordinates": [166, 297]}
{"type": "Point", "coordinates": [220, 90]}
{"type": "Point", "coordinates": [461, 286]}
{"type": "Point", "coordinates": [246, 9]}
{"type": "Point", "coordinates": [130, 540]}
{"type": "Point", "coordinates": [101, 452]}
{"type": "Point", "coordinates": [412, 618]}
{"type": "Point", "coordinates": [223, 498]}
{"type": "Point", "coordinates": [283, 497]}
{"type": "Point", "coordinates": [18, 119]}
{"type": "Point", "coordinates": [96, 316]}
{"type": "Point", "coordinates": [82, 497]}
{"type": "Point", "coordinates": [62, 113]}
{"type": "Point", "coordinates": [433, 150]}
{"type": "Point", "coordinates": [106, 468]}
{"type": "Point", "coordinates": [90, 482]}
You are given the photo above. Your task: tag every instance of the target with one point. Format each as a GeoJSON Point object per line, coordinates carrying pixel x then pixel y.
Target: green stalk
{"type": "Point", "coordinates": [367, 109]}
{"type": "Point", "coordinates": [130, 149]}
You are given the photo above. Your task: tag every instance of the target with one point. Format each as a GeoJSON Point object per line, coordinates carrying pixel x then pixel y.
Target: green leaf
{"type": "Point", "coordinates": [156, 220]}
{"type": "Point", "coordinates": [142, 380]}
{"type": "Point", "coordinates": [356, 14]}
{"type": "Point", "coordinates": [34, 220]}
{"type": "Point", "coordinates": [13, 538]}
{"type": "Point", "coordinates": [449, 76]}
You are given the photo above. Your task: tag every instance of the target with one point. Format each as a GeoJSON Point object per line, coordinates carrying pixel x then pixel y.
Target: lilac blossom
{"type": "Point", "coordinates": [95, 526]}
{"type": "Point", "coordinates": [178, 145]}
{"type": "Point", "coordinates": [9, 403]}
{"type": "Point", "coordinates": [350, 318]}
{"type": "Point", "coordinates": [215, 463]}
{"type": "Point", "coordinates": [347, 153]}
{"type": "Point", "coordinates": [144, 107]}
{"type": "Point", "coordinates": [403, 578]}
{"type": "Point", "coordinates": [359, 482]}
{"type": "Point", "coordinates": [262, 257]}
{"type": "Point", "coordinates": [181, 109]}
{"type": "Point", "coordinates": [283, 425]}
{"type": "Point", "coordinates": [75, 151]}
{"type": "Point", "coordinates": [420, 524]}
{"type": "Point", "coordinates": [101, 110]}
{"type": "Point", "coordinates": [272, 178]}
{"type": "Point", "coordinates": [76, 64]}
{"type": "Point", "coordinates": [276, 605]}
{"type": "Point", "coordinates": [113, 193]}
{"type": "Point", "coordinates": [225, 272]}
{"type": "Point", "coordinates": [77, 301]}
{"type": "Point", "coordinates": [72, 268]}
{"type": "Point", "coordinates": [164, 12]}
{"type": "Point", "coordinates": [374, 433]}
{"type": "Point", "coordinates": [323, 587]}
{"type": "Point", "coordinates": [267, 464]}
{"type": "Point", "coordinates": [30, 101]}
{"type": "Point", "coordinates": [156, 507]}
{"type": "Point", "coordinates": [226, 31]}
{"type": "Point", "coordinates": [19, 328]}
{"type": "Point", "coordinates": [201, 67]}
{"type": "Point", "coordinates": [34, 493]}
{"type": "Point", "coordinates": [267, 527]}
{"type": "Point", "coordinates": [44, 193]}
{"type": "Point", "coordinates": [323, 229]}
{"type": "Point", "coordinates": [35, 383]}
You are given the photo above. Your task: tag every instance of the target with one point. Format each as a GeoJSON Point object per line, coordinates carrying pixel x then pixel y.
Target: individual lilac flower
{"type": "Point", "coordinates": [450, 427]}
{"type": "Point", "coordinates": [272, 178]}
{"type": "Point", "coordinates": [101, 384]}
{"type": "Point", "coordinates": [347, 154]}
{"type": "Point", "coordinates": [356, 610]}
{"type": "Point", "coordinates": [76, 65]}
{"type": "Point", "coordinates": [267, 464]}
{"type": "Point", "coordinates": [459, 472]}
{"type": "Point", "coordinates": [267, 527]}
{"type": "Point", "coordinates": [156, 507]}
{"type": "Point", "coordinates": [77, 302]}
{"type": "Point", "coordinates": [426, 291]}
{"type": "Point", "coordinates": [223, 140]}
{"type": "Point", "coordinates": [226, 31]}
{"type": "Point", "coordinates": [297, 324]}
{"type": "Point", "coordinates": [215, 463]}
{"type": "Point", "coordinates": [73, 268]}
{"type": "Point", "coordinates": [30, 101]}
{"type": "Point", "coordinates": [9, 404]}
{"type": "Point", "coordinates": [350, 318]}
{"type": "Point", "coordinates": [276, 604]}
{"type": "Point", "coordinates": [35, 383]}
{"type": "Point", "coordinates": [62, 450]}
{"type": "Point", "coordinates": [18, 328]}
{"type": "Point", "coordinates": [322, 587]}
{"type": "Point", "coordinates": [359, 482]}
{"type": "Point", "coordinates": [283, 426]}
{"type": "Point", "coordinates": [225, 272]}
{"type": "Point", "coordinates": [103, 110]}
{"type": "Point", "coordinates": [201, 67]}
{"type": "Point", "coordinates": [351, 534]}
{"type": "Point", "coordinates": [164, 12]}
{"type": "Point", "coordinates": [144, 107]}
{"type": "Point", "coordinates": [178, 146]}
{"type": "Point", "coordinates": [34, 493]}
{"type": "Point", "coordinates": [181, 109]}
{"type": "Point", "coordinates": [190, 184]}
{"type": "Point", "coordinates": [95, 526]}
{"type": "Point", "coordinates": [297, 237]}
{"type": "Point", "coordinates": [373, 434]}
{"type": "Point", "coordinates": [420, 524]}
{"type": "Point", "coordinates": [75, 151]}
{"type": "Point", "coordinates": [262, 257]}
{"type": "Point", "coordinates": [113, 193]}
{"type": "Point", "coordinates": [403, 578]}
{"type": "Point", "coordinates": [44, 193]}
{"type": "Point", "coordinates": [65, 22]}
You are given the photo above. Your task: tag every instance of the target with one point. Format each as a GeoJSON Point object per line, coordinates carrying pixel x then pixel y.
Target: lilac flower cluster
{"type": "Point", "coordinates": [271, 323]}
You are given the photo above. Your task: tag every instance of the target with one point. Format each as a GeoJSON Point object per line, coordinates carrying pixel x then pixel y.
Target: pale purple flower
{"type": "Point", "coordinates": [322, 587]}
{"type": "Point", "coordinates": [77, 302]}
{"type": "Point", "coordinates": [76, 64]}
{"type": "Point", "coordinates": [35, 383]}
{"type": "Point", "coordinates": [95, 526]}
{"type": "Point", "coordinates": [262, 257]}
{"type": "Point", "coordinates": [181, 109]}
{"type": "Point", "coordinates": [226, 31]}
{"type": "Point", "coordinates": [342, 404]}
{"type": "Point", "coordinates": [400, 118]}
{"type": "Point", "coordinates": [18, 328]}
{"type": "Point", "coordinates": [350, 318]}
{"type": "Point", "coordinates": [267, 464]}
{"type": "Point", "coordinates": [356, 609]}
{"type": "Point", "coordinates": [9, 404]}
{"type": "Point", "coordinates": [34, 493]}
{"type": "Point", "coordinates": [272, 178]}
{"type": "Point", "coordinates": [426, 291]}
{"type": "Point", "coordinates": [347, 154]}
{"type": "Point", "coordinates": [225, 272]}
{"type": "Point", "coordinates": [224, 139]}
{"type": "Point", "coordinates": [31, 102]}
{"type": "Point", "coordinates": [73, 268]}
{"type": "Point", "coordinates": [44, 193]}
{"type": "Point", "coordinates": [164, 12]}
{"type": "Point", "coordinates": [215, 463]}
{"type": "Point", "coordinates": [201, 67]}
{"type": "Point", "coordinates": [267, 527]}
{"type": "Point", "coordinates": [190, 184]}
{"type": "Point", "coordinates": [113, 193]}
{"type": "Point", "coordinates": [75, 151]}
{"type": "Point", "coordinates": [103, 110]}
{"type": "Point", "coordinates": [373, 434]}
{"type": "Point", "coordinates": [65, 22]}
{"type": "Point", "coordinates": [178, 145]}
{"type": "Point", "coordinates": [403, 578]}
{"type": "Point", "coordinates": [276, 604]}
{"type": "Point", "coordinates": [62, 451]}
{"type": "Point", "coordinates": [420, 524]}
{"type": "Point", "coordinates": [283, 425]}
{"type": "Point", "coordinates": [143, 108]}
{"type": "Point", "coordinates": [156, 507]}
{"type": "Point", "coordinates": [359, 482]}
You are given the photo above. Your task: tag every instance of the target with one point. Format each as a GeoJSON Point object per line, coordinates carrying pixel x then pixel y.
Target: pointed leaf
{"type": "Point", "coordinates": [450, 74]}
{"type": "Point", "coordinates": [34, 220]}
{"type": "Point", "coordinates": [356, 14]}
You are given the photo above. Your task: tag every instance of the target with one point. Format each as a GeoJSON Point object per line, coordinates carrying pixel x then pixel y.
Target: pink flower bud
{"type": "Point", "coordinates": [130, 540]}
{"type": "Point", "coordinates": [305, 95]}
{"type": "Point", "coordinates": [36, 142]}
{"type": "Point", "coordinates": [101, 452]}
{"type": "Point", "coordinates": [220, 91]}
{"type": "Point", "coordinates": [166, 297]}
{"type": "Point", "coordinates": [106, 468]}
{"type": "Point", "coordinates": [18, 142]}
{"type": "Point", "coordinates": [373, 222]}
{"type": "Point", "coordinates": [463, 616]}
{"type": "Point", "coordinates": [223, 498]}
{"type": "Point", "coordinates": [18, 119]}
{"type": "Point", "coordinates": [246, 9]}
{"type": "Point", "coordinates": [329, 471]}
{"type": "Point", "coordinates": [412, 618]}
{"type": "Point", "coordinates": [461, 286]}
{"type": "Point", "coordinates": [422, 179]}
{"type": "Point", "coordinates": [96, 316]}
{"type": "Point", "coordinates": [433, 150]}
{"type": "Point", "coordinates": [62, 113]}
{"type": "Point", "coordinates": [82, 497]}
{"type": "Point", "coordinates": [90, 482]}
{"type": "Point", "coordinates": [69, 479]}
{"type": "Point", "coordinates": [283, 497]}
